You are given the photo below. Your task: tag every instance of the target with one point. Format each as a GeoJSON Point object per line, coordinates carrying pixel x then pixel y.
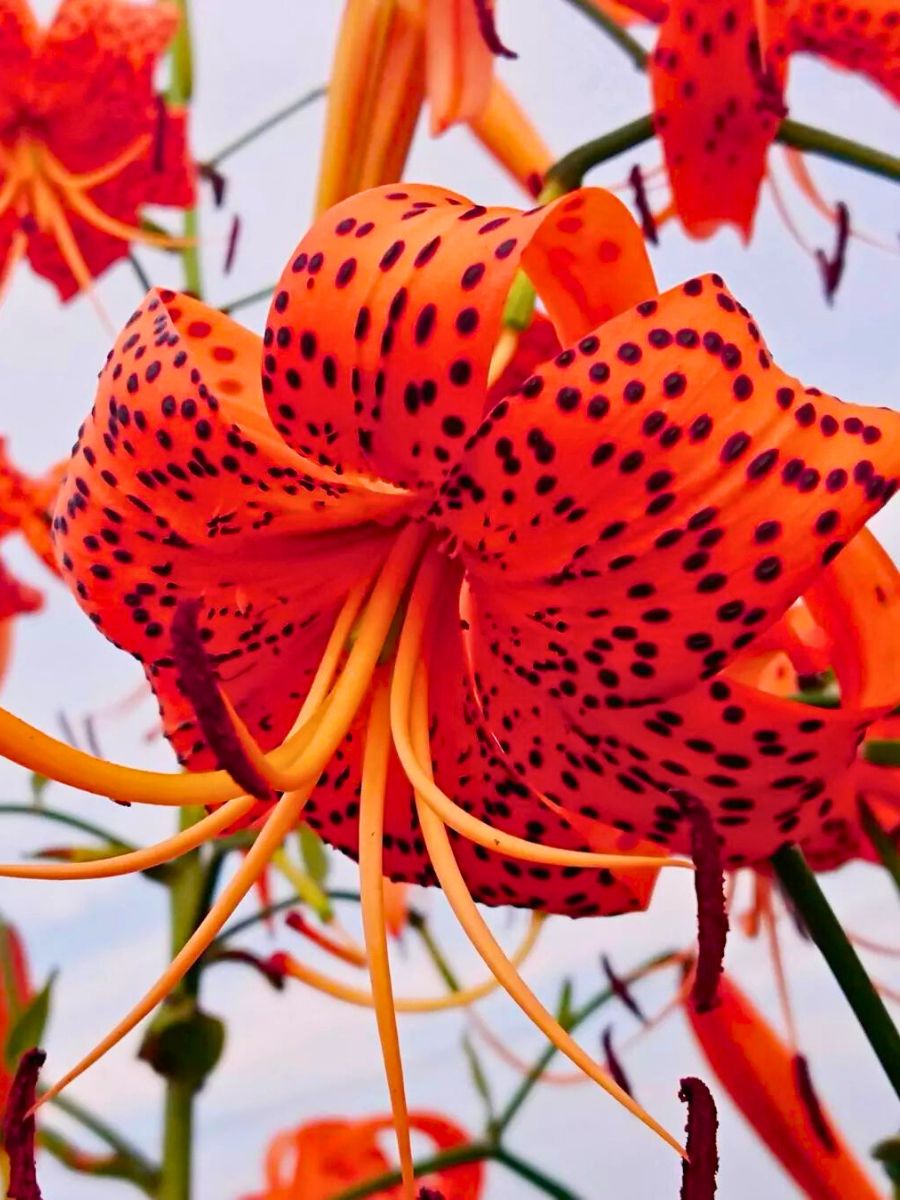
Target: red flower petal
{"type": "Point", "coordinates": [647, 502]}
{"type": "Point", "coordinates": [179, 489]}
{"type": "Point", "coordinates": [861, 35]}
{"type": "Point", "coordinates": [384, 324]}
{"type": "Point", "coordinates": [718, 102]}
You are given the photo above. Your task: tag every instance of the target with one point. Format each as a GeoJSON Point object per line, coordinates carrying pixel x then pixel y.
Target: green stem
{"type": "Point", "coordinates": [838, 149]}
{"type": "Point", "coordinates": [457, 1156]}
{"type": "Point", "coordinates": [178, 1130]}
{"type": "Point", "coordinates": [181, 85]}
{"type": "Point", "coordinates": [104, 1132]}
{"type": "Point", "coordinates": [63, 818]}
{"type": "Point", "coordinates": [446, 972]}
{"type": "Point", "coordinates": [245, 301]}
{"type": "Point", "coordinates": [271, 910]}
{"type": "Point", "coordinates": [614, 31]}
{"type": "Point", "coordinates": [264, 126]}
{"type": "Point", "coordinates": [881, 841]}
{"type": "Point", "coordinates": [550, 1187]}
{"type": "Point", "coordinates": [803, 888]}
{"type": "Point", "coordinates": [190, 254]}
{"type": "Point", "coordinates": [185, 893]}
{"type": "Point", "coordinates": [571, 169]}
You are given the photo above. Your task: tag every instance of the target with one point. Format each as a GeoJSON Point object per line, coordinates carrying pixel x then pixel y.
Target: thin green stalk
{"type": "Point", "coordinates": [576, 1018]}
{"type": "Point", "coordinates": [571, 169]}
{"type": "Point", "coordinates": [264, 126]}
{"type": "Point", "coordinates": [181, 89]}
{"type": "Point", "coordinates": [99, 1128]}
{"type": "Point", "coordinates": [442, 966]}
{"type": "Point", "coordinates": [473, 1152]}
{"type": "Point", "coordinates": [190, 254]}
{"type": "Point", "coordinates": [838, 149]}
{"type": "Point", "coordinates": [614, 31]}
{"type": "Point", "coordinates": [271, 910]}
{"type": "Point", "coordinates": [245, 301]}
{"type": "Point", "coordinates": [64, 818]}
{"type": "Point", "coordinates": [881, 841]}
{"type": "Point", "coordinates": [525, 1170]}
{"type": "Point", "coordinates": [826, 931]}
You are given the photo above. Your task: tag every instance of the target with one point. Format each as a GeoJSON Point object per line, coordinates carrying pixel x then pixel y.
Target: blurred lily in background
{"type": "Point", "coordinates": [85, 141]}
{"type": "Point", "coordinates": [322, 1158]}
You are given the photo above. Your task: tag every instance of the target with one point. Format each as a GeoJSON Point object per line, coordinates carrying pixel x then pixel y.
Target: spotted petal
{"type": "Point", "coordinates": [384, 324]}
{"type": "Point", "coordinates": [647, 502]}
{"type": "Point", "coordinates": [861, 35]}
{"type": "Point", "coordinates": [179, 488]}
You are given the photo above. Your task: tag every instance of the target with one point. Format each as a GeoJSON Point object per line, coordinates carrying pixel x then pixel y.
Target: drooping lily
{"type": "Point", "coordinates": [84, 140]}
{"type": "Point", "coordinates": [719, 76]}
{"type": "Point", "coordinates": [769, 1084]}
{"type": "Point", "coordinates": [457, 630]}
{"type": "Point", "coordinates": [322, 1158]}
{"type": "Point", "coordinates": [391, 56]}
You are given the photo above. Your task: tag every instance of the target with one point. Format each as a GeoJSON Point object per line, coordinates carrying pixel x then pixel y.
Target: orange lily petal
{"type": "Point", "coordinates": [460, 63]}
{"type": "Point", "coordinates": [384, 324]}
{"type": "Point", "coordinates": [860, 35]}
{"type": "Point", "coordinates": [718, 103]}
{"type": "Point", "coordinates": [506, 132]}
{"type": "Point", "coordinates": [760, 1075]}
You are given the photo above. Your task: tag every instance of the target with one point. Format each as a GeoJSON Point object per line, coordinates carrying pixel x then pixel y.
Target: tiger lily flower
{"type": "Point", "coordinates": [390, 56]}
{"type": "Point", "coordinates": [719, 79]}
{"type": "Point", "coordinates": [769, 1085]}
{"type": "Point", "coordinates": [322, 1158]}
{"type": "Point", "coordinates": [84, 141]}
{"type": "Point", "coordinates": [512, 611]}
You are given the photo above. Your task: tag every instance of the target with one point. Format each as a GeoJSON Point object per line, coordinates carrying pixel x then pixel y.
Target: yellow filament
{"type": "Point", "coordinates": [450, 813]}
{"type": "Point", "coordinates": [136, 860]}
{"type": "Point", "coordinates": [411, 1004]}
{"type": "Point", "coordinates": [504, 350]}
{"type": "Point", "coordinates": [37, 751]}
{"type": "Point", "coordinates": [784, 997]}
{"type": "Point", "coordinates": [66, 179]}
{"type": "Point", "coordinates": [451, 880]}
{"type": "Point", "coordinates": [371, 844]}
{"type": "Point", "coordinates": [282, 819]}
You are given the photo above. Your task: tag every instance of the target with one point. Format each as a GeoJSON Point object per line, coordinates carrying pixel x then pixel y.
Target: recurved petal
{"type": "Point", "coordinates": [19, 33]}
{"type": "Point", "coordinates": [656, 496]}
{"type": "Point", "coordinates": [761, 1076]}
{"type": "Point", "coordinates": [861, 35]}
{"type": "Point", "coordinates": [718, 99]}
{"type": "Point", "coordinates": [460, 64]}
{"type": "Point", "coordinates": [384, 323]}
{"type": "Point", "coordinates": [178, 488]}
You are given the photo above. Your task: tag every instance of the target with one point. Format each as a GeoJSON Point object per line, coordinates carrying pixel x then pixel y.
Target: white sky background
{"type": "Point", "coordinates": [294, 1056]}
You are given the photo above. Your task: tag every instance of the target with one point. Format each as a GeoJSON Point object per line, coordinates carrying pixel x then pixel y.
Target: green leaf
{"type": "Point", "coordinates": [28, 1028]}
{"type": "Point", "coordinates": [314, 854]}
{"type": "Point", "coordinates": [888, 1154]}
{"type": "Point", "coordinates": [564, 1011]}
{"type": "Point", "coordinates": [183, 1042]}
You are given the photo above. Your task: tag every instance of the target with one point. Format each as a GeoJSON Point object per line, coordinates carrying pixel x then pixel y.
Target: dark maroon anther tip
{"type": "Point", "coordinates": [19, 1128]}
{"type": "Point", "coordinates": [621, 989]}
{"type": "Point", "coordinates": [642, 204]}
{"type": "Point", "coordinates": [614, 1063]}
{"type": "Point", "coordinates": [832, 268]}
{"type": "Point", "coordinates": [198, 682]}
{"type": "Point", "coordinates": [231, 251]}
{"type": "Point", "coordinates": [698, 1170]}
{"type": "Point", "coordinates": [271, 969]}
{"type": "Point", "coordinates": [216, 180]}
{"type": "Point", "coordinates": [430, 1194]}
{"type": "Point", "coordinates": [487, 24]}
{"type": "Point", "coordinates": [810, 1100]}
{"type": "Point", "coordinates": [712, 918]}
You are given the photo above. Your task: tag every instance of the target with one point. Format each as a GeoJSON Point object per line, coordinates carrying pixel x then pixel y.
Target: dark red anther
{"type": "Point", "coordinates": [488, 26]}
{"type": "Point", "coordinates": [832, 268]}
{"type": "Point", "coordinates": [614, 1063]}
{"type": "Point", "coordinates": [198, 682]}
{"type": "Point", "coordinates": [216, 181]}
{"type": "Point", "coordinates": [698, 1171]}
{"type": "Point", "coordinates": [642, 204]}
{"type": "Point", "coordinates": [810, 1100]}
{"type": "Point", "coordinates": [621, 989]}
{"type": "Point", "coordinates": [430, 1194]}
{"type": "Point", "coordinates": [18, 1128]}
{"type": "Point", "coordinates": [712, 918]}
{"type": "Point", "coordinates": [233, 236]}
{"type": "Point", "coordinates": [271, 969]}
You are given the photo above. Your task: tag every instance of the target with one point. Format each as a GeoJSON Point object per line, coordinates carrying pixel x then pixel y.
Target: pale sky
{"type": "Point", "coordinates": [295, 1056]}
